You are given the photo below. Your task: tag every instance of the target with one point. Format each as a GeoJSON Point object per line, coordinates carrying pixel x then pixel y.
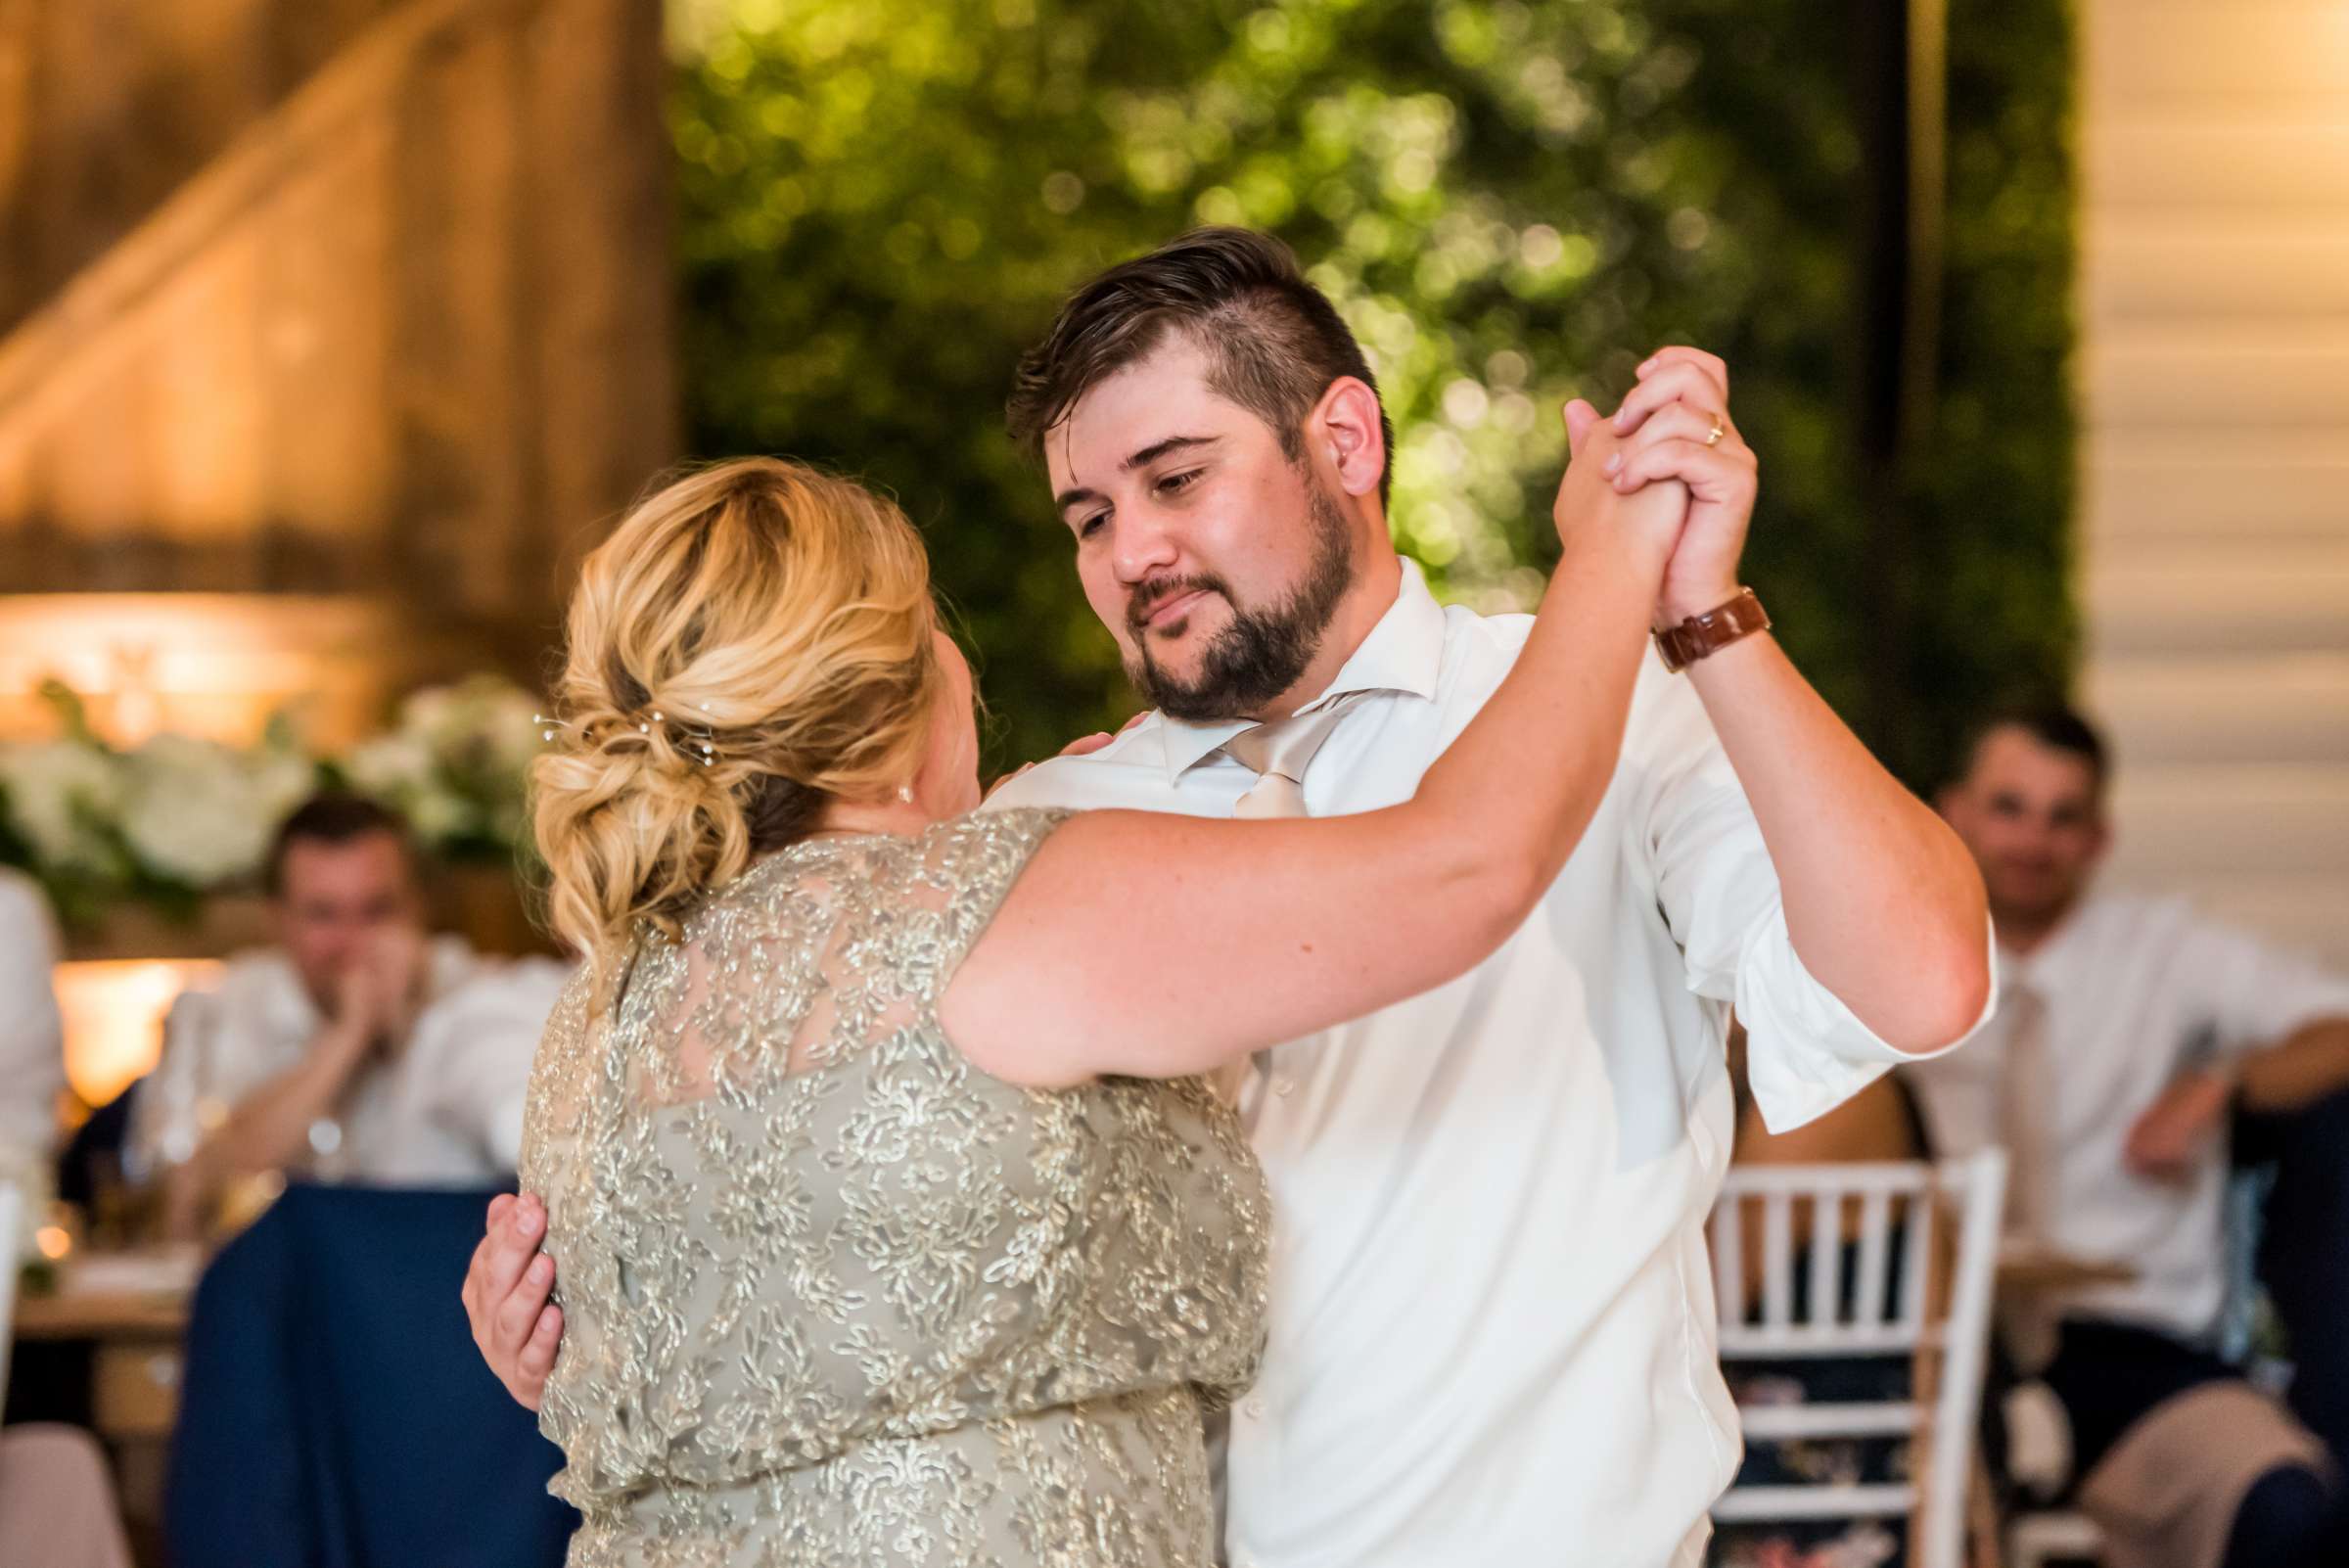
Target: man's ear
{"type": "Point", "coordinates": [1345, 428]}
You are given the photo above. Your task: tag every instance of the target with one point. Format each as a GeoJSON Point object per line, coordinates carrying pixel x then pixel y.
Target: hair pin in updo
{"type": "Point", "coordinates": [701, 739]}
{"type": "Point", "coordinates": [695, 737]}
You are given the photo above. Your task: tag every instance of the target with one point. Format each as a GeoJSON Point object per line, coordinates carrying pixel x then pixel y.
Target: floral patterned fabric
{"type": "Point", "coordinates": [831, 1294]}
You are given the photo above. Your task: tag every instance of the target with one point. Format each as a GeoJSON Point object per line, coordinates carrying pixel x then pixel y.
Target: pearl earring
{"type": "Point", "coordinates": [905, 793]}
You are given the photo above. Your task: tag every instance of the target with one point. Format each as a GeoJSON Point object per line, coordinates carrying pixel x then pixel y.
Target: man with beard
{"type": "Point", "coordinates": [2131, 1027]}
{"type": "Point", "coordinates": [1492, 1324]}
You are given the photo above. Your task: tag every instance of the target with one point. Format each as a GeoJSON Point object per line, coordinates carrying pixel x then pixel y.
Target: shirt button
{"type": "Point", "coordinates": [1254, 1409]}
{"type": "Point", "coordinates": [1282, 1086]}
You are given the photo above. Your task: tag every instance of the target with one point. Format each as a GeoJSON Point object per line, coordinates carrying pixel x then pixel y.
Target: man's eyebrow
{"type": "Point", "coordinates": [1158, 449]}
{"type": "Point", "coordinates": [1141, 459]}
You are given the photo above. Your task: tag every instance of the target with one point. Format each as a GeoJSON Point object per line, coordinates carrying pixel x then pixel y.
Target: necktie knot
{"type": "Point", "coordinates": [1279, 753]}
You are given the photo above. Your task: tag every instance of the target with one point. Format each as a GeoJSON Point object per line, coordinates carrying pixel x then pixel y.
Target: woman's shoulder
{"type": "Point", "coordinates": [997, 824]}
{"type": "Point", "coordinates": [973, 859]}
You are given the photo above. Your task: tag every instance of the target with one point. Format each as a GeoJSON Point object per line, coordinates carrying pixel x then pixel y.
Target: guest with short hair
{"type": "Point", "coordinates": [2131, 1028]}
{"type": "Point", "coordinates": [357, 1048]}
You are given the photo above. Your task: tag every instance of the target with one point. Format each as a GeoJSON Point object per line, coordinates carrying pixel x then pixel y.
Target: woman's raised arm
{"type": "Point", "coordinates": [1159, 945]}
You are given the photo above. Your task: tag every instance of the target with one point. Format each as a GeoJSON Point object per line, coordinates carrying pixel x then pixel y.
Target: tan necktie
{"type": "Point", "coordinates": [2026, 1106]}
{"type": "Point", "coordinates": [1279, 753]}
{"type": "Point", "coordinates": [2026, 1101]}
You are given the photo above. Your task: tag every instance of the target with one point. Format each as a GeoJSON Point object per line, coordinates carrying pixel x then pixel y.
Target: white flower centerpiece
{"type": "Point", "coordinates": [177, 819]}
{"type": "Point", "coordinates": [455, 763]}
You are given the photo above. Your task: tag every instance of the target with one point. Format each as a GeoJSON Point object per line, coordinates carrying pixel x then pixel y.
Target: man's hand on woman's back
{"type": "Point", "coordinates": [506, 1288]}
{"type": "Point", "coordinates": [1083, 746]}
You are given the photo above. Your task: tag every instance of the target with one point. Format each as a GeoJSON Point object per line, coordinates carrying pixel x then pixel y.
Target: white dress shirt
{"type": "Point", "coordinates": [1492, 1331]}
{"type": "Point", "coordinates": [33, 1053]}
{"type": "Point", "coordinates": [2135, 990]}
{"type": "Point", "coordinates": [446, 1111]}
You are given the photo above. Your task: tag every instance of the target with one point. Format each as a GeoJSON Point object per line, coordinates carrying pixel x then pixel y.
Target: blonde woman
{"type": "Point", "coordinates": [894, 1220]}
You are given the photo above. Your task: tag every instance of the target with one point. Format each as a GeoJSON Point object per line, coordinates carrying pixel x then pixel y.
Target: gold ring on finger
{"type": "Point", "coordinates": [1713, 437]}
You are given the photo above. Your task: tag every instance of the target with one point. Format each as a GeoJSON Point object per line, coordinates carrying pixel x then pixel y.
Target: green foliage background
{"type": "Point", "coordinates": [1513, 200]}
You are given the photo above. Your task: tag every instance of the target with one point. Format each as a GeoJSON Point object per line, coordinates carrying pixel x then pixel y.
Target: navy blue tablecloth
{"type": "Point", "coordinates": [336, 1413]}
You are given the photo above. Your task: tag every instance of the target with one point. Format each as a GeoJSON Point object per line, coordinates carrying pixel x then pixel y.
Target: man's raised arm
{"type": "Point", "coordinates": [1884, 907]}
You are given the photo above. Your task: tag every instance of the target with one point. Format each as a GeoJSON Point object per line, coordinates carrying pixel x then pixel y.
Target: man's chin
{"type": "Point", "coordinates": [1177, 694]}
{"type": "Point", "coordinates": [2036, 902]}
{"type": "Point", "coordinates": [1175, 656]}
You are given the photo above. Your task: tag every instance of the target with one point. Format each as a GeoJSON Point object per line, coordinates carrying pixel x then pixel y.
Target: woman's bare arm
{"type": "Point", "coordinates": [1158, 946]}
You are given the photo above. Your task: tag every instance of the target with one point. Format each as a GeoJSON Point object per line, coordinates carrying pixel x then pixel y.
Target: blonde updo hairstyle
{"type": "Point", "coordinates": [753, 642]}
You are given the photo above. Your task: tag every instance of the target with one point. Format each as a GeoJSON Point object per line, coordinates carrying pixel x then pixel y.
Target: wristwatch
{"type": "Point", "coordinates": [1700, 636]}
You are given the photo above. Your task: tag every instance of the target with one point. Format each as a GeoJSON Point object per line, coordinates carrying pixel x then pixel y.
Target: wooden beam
{"type": "Point", "coordinates": [45, 360]}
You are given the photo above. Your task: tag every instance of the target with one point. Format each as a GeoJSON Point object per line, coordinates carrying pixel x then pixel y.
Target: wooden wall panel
{"type": "Point", "coordinates": [323, 332]}
{"type": "Point", "coordinates": [598, 441]}
{"type": "Point", "coordinates": [377, 299]}
{"type": "Point", "coordinates": [2214, 371]}
{"type": "Point", "coordinates": [199, 356]}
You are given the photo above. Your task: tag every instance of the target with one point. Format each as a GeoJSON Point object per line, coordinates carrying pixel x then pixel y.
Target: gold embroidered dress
{"type": "Point", "coordinates": [833, 1296]}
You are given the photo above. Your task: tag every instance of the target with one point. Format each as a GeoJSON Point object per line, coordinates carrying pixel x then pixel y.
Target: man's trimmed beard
{"type": "Point", "coordinates": [1259, 654]}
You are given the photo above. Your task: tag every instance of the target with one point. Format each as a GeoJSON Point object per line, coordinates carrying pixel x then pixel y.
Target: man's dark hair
{"type": "Point", "coordinates": [1275, 341]}
{"type": "Point", "coordinates": [333, 817]}
{"type": "Point", "coordinates": [2052, 724]}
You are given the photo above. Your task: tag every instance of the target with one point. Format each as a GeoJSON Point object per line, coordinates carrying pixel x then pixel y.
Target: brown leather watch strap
{"type": "Point", "coordinates": [1701, 635]}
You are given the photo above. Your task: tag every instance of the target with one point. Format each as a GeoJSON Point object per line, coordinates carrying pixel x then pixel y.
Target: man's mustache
{"type": "Point", "coordinates": [1147, 597]}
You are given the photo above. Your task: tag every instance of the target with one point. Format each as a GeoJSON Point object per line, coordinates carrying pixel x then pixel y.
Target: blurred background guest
{"type": "Point", "coordinates": [358, 1047]}
{"type": "Point", "coordinates": [32, 1063]}
{"type": "Point", "coordinates": [2130, 1030]}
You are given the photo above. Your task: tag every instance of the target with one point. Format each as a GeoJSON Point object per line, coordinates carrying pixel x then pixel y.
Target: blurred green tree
{"type": "Point", "coordinates": [1513, 200]}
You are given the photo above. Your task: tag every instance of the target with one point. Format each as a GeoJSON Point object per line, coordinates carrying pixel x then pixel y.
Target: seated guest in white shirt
{"type": "Point", "coordinates": [1491, 1318]}
{"type": "Point", "coordinates": [359, 1047]}
{"type": "Point", "coordinates": [32, 1056]}
{"type": "Point", "coordinates": [2127, 1022]}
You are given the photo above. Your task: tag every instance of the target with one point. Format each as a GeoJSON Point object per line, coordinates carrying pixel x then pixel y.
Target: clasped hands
{"type": "Point", "coordinates": [1671, 431]}
{"type": "Point", "coordinates": [379, 994]}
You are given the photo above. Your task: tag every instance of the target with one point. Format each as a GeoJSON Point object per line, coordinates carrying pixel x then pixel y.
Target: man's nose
{"type": "Point", "coordinates": [1145, 547]}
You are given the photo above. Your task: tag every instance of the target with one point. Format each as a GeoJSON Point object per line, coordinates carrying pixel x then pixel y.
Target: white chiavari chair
{"type": "Point", "coordinates": [1868, 1282]}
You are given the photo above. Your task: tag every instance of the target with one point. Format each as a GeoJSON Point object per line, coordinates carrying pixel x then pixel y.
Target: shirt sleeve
{"type": "Point", "coordinates": [485, 1034]}
{"type": "Point", "coordinates": [1806, 1051]}
{"type": "Point", "coordinates": [2259, 992]}
{"type": "Point", "coordinates": [33, 1053]}
{"type": "Point", "coordinates": [167, 1085]}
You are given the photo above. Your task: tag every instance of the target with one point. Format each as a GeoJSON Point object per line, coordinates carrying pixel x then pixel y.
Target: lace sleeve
{"type": "Point", "coordinates": [554, 1112]}
{"type": "Point", "coordinates": [967, 867]}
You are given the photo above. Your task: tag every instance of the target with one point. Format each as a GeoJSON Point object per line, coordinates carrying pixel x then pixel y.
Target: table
{"type": "Point", "coordinates": [136, 1367]}
{"type": "Point", "coordinates": [2038, 1271]}
{"type": "Point", "coordinates": [134, 1319]}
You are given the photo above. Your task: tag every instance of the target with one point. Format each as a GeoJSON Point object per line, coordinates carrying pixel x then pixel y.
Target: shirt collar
{"type": "Point", "coordinates": [2044, 965]}
{"type": "Point", "coordinates": [1404, 653]}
